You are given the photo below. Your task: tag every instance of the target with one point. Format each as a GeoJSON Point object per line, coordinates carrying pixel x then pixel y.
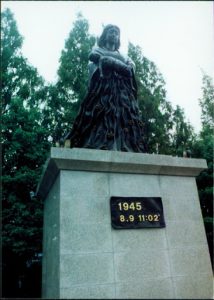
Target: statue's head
{"type": "Point", "coordinates": [102, 39]}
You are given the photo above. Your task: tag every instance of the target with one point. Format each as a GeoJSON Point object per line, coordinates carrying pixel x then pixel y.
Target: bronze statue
{"type": "Point", "coordinates": [109, 116]}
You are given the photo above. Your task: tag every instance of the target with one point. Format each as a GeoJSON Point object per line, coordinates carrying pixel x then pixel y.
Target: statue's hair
{"type": "Point", "coordinates": [102, 40]}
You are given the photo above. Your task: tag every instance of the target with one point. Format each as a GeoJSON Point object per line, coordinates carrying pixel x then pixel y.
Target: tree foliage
{"type": "Point", "coordinates": [74, 59]}
{"type": "Point", "coordinates": [19, 78]}
{"type": "Point", "coordinates": [183, 135]}
{"type": "Point", "coordinates": [64, 97]}
{"type": "Point", "coordinates": [203, 148]}
{"type": "Point", "coordinates": [166, 130]}
{"type": "Point", "coordinates": [207, 104]}
{"type": "Point", "coordinates": [24, 144]}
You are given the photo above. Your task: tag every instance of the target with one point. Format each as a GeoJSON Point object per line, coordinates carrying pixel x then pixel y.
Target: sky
{"type": "Point", "coordinates": [178, 36]}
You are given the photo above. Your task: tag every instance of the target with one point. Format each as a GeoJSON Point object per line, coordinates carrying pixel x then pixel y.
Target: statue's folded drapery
{"type": "Point", "coordinates": [109, 116]}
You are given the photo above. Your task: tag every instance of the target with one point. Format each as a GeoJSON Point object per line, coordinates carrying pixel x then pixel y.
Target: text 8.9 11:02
{"type": "Point", "coordinates": [140, 218]}
{"type": "Point", "coordinates": [136, 212]}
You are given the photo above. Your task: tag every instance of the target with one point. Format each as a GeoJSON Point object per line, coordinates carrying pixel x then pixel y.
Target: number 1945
{"type": "Point", "coordinates": [132, 206]}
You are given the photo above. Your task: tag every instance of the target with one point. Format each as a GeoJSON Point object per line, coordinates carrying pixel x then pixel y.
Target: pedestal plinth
{"type": "Point", "coordinates": [84, 257]}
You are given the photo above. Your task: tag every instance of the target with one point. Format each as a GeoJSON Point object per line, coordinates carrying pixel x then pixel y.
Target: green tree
{"type": "Point", "coordinates": [207, 104]}
{"type": "Point", "coordinates": [74, 59]}
{"type": "Point", "coordinates": [19, 78]}
{"type": "Point", "coordinates": [65, 96]}
{"type": "Point", "coordinates": [165, 128]}
{"type": "Point", "coordinates": [24, 149]}
{"type": "Point", "coordinates": [203, 148]}
{"type": "Point", "coordinates": [183, 135]}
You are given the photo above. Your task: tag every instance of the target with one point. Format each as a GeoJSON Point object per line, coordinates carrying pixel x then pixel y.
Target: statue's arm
{"type": "Point", "coordinates": [109, 63]}
{"type": "Point", "coordinates": [114, 64]}
{"type": "Point", "coordinates": [94, 57]}
{"type": "Point", "coordinates": [93, 64]}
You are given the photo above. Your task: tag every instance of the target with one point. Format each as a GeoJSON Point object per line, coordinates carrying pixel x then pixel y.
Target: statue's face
{"type": "Point", "coordinates": [112, 36]}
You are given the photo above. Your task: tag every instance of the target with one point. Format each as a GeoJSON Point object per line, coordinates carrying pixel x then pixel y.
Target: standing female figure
{"type": "Point", "coordinates": [109, 116]}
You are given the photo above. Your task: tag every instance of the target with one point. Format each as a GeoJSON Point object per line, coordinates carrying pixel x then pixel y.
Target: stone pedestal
{"type": "Point", "coordinates": [84, 257]}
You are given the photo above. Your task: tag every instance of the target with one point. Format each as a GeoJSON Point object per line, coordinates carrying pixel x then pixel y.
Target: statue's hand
{"type": "Point", "coordinates": [94, 57]}
{"type": "Point", "coordinates": [109, 63]}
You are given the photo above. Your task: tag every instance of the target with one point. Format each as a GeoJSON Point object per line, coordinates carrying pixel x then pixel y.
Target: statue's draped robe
{"type": "Point", "coordinates": [109, 116]}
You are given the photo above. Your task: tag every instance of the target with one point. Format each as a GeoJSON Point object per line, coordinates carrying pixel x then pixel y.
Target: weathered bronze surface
{"type": "Point", "coordinates": [109, 117]}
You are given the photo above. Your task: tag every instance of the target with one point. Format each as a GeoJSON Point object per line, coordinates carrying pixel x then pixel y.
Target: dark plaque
{"type": "Point", "coordinates": [136, 212]}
